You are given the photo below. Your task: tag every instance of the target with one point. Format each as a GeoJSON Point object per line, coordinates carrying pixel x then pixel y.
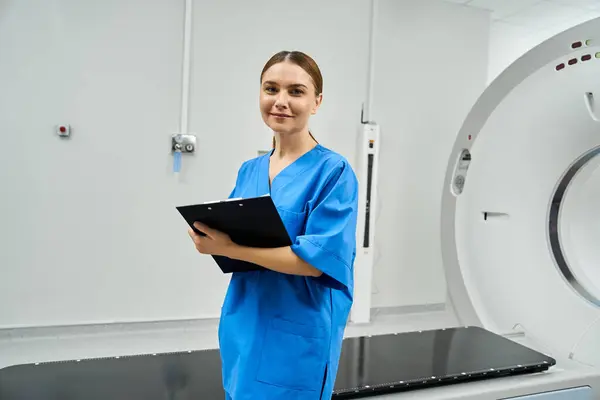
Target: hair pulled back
{"type": "Point", "coordinates": [305, 62]}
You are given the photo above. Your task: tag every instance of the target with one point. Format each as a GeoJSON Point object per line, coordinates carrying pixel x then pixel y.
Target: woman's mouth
{"type": "Point", "coordinates": [281, 115]}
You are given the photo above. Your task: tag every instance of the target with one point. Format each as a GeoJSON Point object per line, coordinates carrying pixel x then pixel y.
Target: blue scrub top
{"type": "Point", "coordinates": [280, 335]}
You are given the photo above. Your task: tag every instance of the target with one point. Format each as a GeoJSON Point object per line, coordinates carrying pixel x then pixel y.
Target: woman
{"type": "Point", "coordinates": [281, 328]}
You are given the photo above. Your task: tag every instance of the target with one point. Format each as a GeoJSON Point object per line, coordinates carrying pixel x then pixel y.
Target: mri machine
{"type": "Point", "coordinates": [520, 250]}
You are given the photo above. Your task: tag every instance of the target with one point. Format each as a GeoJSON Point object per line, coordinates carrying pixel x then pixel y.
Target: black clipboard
{"type": "Point", "coordinates": [252, 222]}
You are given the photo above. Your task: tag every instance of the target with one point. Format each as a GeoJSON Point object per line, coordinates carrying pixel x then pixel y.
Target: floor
{"type": "Point", "coordinates": [22, 346]}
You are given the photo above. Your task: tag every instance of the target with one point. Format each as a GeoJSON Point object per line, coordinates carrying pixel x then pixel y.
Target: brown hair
{"type": "Point", "coordinates": [305, 62]}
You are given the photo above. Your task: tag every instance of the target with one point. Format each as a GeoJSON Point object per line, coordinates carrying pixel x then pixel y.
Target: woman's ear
{"type": "Point", "coordinates": [318, 102]}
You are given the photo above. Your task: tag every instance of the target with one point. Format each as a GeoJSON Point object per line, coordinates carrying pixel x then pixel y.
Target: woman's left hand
{"type": "Point", "coordinates": [214, 243]}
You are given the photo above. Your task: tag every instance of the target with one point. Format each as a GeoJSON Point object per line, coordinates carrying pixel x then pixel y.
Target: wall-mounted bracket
{"type": "Point", "coordinates": [184, 143]}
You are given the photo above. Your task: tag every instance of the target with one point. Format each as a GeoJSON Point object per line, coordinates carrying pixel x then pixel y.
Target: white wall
{"type": "Point", "coordinates": [89, 231]}
{"type": "Point", "coordinates": [430, 67]}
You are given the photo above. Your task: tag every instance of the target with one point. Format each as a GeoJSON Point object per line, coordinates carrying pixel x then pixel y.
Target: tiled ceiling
{"type": "Point", "coordinates": [538, 15]}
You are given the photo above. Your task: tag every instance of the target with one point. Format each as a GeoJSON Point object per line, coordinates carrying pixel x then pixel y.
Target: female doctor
{"type": "Point", "coordinates": [281, 328]}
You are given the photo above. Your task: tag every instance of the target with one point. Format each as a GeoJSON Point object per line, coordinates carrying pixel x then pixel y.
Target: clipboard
{"type": "Point", "coordinates": [252, 222]}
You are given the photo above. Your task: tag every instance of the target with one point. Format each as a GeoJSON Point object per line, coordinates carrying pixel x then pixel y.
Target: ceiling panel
{"type": "Point", "coordinates": [545, 14]}
{"type": "Point", "coordinates": [585, 4]}
{"type": "Point", "coordinates": [503, 8]}
{"type": "Point", "coordinates": [538, 15]}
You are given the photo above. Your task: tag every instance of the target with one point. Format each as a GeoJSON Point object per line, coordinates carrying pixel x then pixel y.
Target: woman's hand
{"type": "Point", "coordinates": [281, 259]}
{"type": "Point", "coordinates": [214, 243]}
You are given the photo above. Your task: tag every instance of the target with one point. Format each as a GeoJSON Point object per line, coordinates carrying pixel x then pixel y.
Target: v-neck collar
{"type": "Point", "coordinates": [289, 171]}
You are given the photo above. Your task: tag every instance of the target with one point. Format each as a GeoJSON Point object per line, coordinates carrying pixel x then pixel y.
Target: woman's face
{"type": "Point", "coordinates": [287, 98]}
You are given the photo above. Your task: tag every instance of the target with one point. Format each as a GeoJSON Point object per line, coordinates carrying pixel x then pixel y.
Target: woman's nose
{"type": "Point", "coordinates": [281, 100]}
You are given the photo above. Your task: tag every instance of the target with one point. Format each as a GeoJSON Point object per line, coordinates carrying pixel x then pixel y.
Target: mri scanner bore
{"type": "Point", "coordinates": [519, 244]}
{"type": "Point", "coordinates": [519, 219]}
{"type": "Point", "coordinates": [572, 228]}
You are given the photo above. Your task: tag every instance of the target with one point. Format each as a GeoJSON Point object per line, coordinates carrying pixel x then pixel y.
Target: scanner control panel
{"type": "Point", "coordinates": [460, 172]}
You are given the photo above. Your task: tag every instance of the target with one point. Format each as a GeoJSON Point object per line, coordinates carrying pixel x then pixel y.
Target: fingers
{"type": "Point", "coordinates": [204, 244]}
{"type": "Point", "coordinates": [196, 237]}
{"type": "Point", "coordinates": [198, 241]}
{"type": "Point", "coordinates": [204, 229]}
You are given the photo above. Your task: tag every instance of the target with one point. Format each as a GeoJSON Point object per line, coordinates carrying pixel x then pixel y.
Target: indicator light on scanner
{"type": "Point", "coordinates": [63, 130]}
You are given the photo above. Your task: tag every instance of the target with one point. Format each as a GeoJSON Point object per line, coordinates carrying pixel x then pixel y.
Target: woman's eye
{"type": "Point", "coordinates": [270, 89]}
{"type": "Point", "coordinates": [297, 92]}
